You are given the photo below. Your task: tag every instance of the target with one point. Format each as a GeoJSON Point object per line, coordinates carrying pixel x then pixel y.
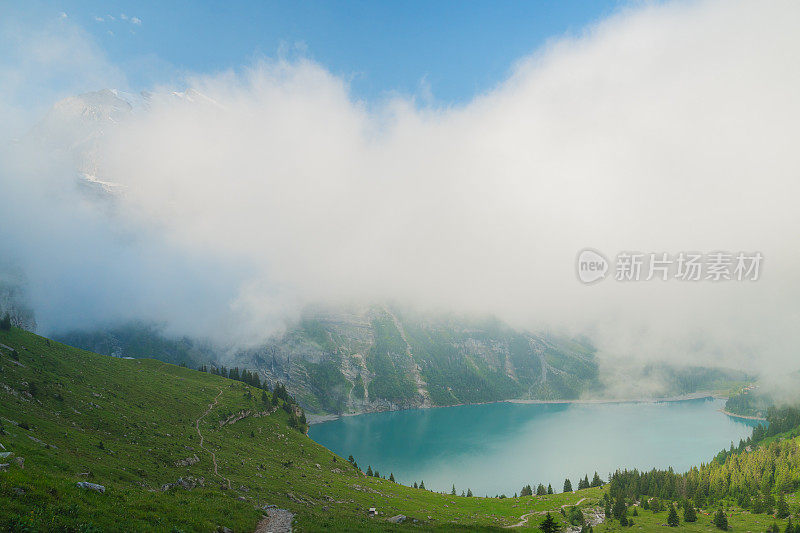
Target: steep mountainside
{"type": "Point", "coordinates": [381, 358]}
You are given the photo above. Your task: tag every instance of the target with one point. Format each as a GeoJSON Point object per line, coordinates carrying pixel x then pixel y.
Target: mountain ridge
{"type": "Point", "coordinates": [381, 358]}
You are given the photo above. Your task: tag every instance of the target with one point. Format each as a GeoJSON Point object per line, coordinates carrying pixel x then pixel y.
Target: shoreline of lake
{"type": "Point", "coordinates": [320, 419]}
{"type": "Point", "coordinates": [746, 417]}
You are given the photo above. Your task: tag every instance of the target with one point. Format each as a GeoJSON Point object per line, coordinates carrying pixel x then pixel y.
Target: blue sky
{"type": "Point", "coordinates": [457, 49]}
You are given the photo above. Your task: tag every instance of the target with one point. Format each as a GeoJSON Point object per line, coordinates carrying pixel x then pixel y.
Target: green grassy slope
{"type": "Point", "coordinates": [738, 520]}
{"type": "Point", "coordinates": [126, 424]}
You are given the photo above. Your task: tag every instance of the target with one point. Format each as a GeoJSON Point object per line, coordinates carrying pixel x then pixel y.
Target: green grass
{"type": "Point", "coordinates": [127, 422]}
{"type": "Point", "coordinates": [738, 520]}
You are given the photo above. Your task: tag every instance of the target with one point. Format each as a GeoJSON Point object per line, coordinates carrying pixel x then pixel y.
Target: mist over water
{"type": "Point", "coordinates": [498, 448]}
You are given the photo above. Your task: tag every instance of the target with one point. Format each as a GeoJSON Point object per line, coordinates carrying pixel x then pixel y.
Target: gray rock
{"type": "Point", "coordinates": [189, 461]}
{"type": "Point", "coordinates": [90, 486]}
{"type": "Point", "coordinates": [187, 483]}
{"type": "Point", "coordinates": [276, 521]}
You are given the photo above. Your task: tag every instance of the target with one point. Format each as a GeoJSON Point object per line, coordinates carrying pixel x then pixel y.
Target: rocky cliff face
{"type": "Point", "coordinates": [380, 358]}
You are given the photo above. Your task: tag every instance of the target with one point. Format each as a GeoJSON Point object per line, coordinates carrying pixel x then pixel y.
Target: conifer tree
{"type": "Point", "coordinates": [689, 514]}
{"type": "Point", "coordinates": [619, 509]}
{"type": "Point", "coordinates": [720, 520]}
{"type": "Point", "coordinates": [655, 505]}
{"type": "Point", "coordinates": [549, 525]}
{"type": "Point", "coordinates": [672, 519]}
{"type": "Point", "coordinates": [782, 509]}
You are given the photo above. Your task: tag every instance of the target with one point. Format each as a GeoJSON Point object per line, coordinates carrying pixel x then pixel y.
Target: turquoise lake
{"type": "Point", "coordinates": [497, 448]}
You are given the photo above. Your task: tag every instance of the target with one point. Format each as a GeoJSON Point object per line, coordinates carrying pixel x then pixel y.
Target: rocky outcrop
{"type": "Point", "coordinates": [235, 417]}
{"type": "Point", "coordinates": [275, 521]}
{"type": "Point", "coordinates": [189, 461]}
{"type": "Point", "coordinates": [187, 483]}
{"type": "Point", "coordinates": [90, 486]}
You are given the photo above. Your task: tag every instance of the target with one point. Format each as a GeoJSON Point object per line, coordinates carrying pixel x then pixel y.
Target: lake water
{"type": "Point", "coordinates": [497, 448]}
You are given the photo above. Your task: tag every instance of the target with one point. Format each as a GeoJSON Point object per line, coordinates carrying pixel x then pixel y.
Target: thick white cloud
{"type": "Point", "coordinates": [44, 61]}
{"type": "Point", "coordinates": [663, 128]}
